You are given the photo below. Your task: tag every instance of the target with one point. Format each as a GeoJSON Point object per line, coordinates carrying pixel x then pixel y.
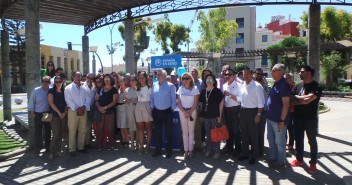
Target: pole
{"type": "Point", "coordinates": [101, 64]}
{"type": "Point", "coordinates": [188, 57]}
{"type": "Point", "coordinates": [94, 65]}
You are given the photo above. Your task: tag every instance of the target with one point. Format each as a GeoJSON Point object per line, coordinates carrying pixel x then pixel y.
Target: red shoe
{"type": "Point", "coordinates": [296, 163]}
{"type": "Point", "coordinates": [313, 168]}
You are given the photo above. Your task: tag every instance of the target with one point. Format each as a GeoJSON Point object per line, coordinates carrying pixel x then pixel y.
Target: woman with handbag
{"type": "Point", "coordinates": [212, 104]}
{"type": "Point", "coordinates": [143, 113]}
{"type": "Point", "coordinates": [56, 99]}
{"type": "Point", "coordinates": [187, 102]}
{"type": "Point", "coordinates": [105, 101]}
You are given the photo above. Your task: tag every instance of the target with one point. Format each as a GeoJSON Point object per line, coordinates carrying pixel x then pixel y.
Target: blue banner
{"type": "Point", "coordinates": [167, 61]}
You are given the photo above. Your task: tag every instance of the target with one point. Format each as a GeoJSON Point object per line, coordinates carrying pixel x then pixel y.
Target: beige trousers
{"type": "Point", "coordinates": [76, 129]}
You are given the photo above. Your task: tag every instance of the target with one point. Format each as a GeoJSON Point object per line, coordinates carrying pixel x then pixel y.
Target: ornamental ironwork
{"type": "Point", "coordinates": [184, 5]}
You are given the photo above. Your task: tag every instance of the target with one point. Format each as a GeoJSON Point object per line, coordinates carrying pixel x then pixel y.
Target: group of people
{"type": "Point", "coordinates": [136, 106]}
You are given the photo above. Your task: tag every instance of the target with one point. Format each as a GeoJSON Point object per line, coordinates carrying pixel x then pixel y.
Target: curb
{"type": "Point", "coordinates": [324, 111]}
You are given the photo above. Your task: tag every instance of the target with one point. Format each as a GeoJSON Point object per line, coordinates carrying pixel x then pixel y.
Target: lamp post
{"type": "Point", "coordinates": [111, 53]}
{"type": "Point", "coordinates": [94, 50]}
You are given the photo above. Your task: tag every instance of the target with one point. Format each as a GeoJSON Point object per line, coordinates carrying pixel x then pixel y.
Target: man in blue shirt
{"type": "Point", "coordinates": [277, 108]}
{"type": "Point", "coordinates": [163, 102]}
{"type": "Point", "coordinates": [37, 105]}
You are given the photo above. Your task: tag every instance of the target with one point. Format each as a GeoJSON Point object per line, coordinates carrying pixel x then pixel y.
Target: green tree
{"type": "Point", "coordinates": [171, 35]}
{"type": "Point", "coordinates": [239, 67]}
{"type": "Point", "coordinates": [141, 39]}
{"type": "Point", "coordinates": [217, 33]}
{"type": "Point", "coordinates": [333, 65]}
{"type": "Point", "coordinates": [294, 61]}
{"type": "Point", "coordinates": [335, 24]}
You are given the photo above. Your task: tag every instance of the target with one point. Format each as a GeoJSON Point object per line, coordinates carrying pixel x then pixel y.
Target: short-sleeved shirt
{"type": "Point", "coordinates": [105, 98]}
{"type": "Point", "coordinates": [214, 99]}
{"type": "Point", "coordinates": [187, 96]}
{"type": "Point", "coordinates": [59, 101]}
{"type": "Point", "coordinates": [308, 111]}
{"type": "Point", "coordinates": [274, 103]}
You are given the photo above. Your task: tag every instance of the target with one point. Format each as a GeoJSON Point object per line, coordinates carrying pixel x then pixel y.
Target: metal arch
{"type": "Point", "coordinates": [184, 5]}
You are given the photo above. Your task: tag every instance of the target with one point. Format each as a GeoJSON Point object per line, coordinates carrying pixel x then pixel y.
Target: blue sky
{"type": "Point", "coordinates": [59, 34]}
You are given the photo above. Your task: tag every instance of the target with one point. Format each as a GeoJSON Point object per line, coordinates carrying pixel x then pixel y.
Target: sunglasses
{"type": "Point", "coordinates": [107, 79]}
{"type": "Point", "coordinates": [228, 74]}
{"type": "Point", "coordinates": [186, 78]}
{"type": "Point", "coordinates": [58, 81]}
{"type": "Point", "coordinates": [209, 80]}
{"type": "Point", "coordinates": [45, 81]}
{"type": "Point", "coordinates": [99, 81]}
{"type": "Point", "coordinates": [259, 73]}
{"type": "Point", "coordinates": [50, 65]}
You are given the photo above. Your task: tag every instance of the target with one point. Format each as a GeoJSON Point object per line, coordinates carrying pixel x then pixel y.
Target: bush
{"type": "Point", "coordinates": [337, 87]}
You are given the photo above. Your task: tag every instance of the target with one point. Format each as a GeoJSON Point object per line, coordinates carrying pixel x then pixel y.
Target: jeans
{"type": "Point", "coordinates": [277, 142]}
{"type": "Point", "coordinates": [310, 126]}
{"type": "Point", "coordinates": [210, 123]}
{"type": "Point", "coordinates": [188, 130]}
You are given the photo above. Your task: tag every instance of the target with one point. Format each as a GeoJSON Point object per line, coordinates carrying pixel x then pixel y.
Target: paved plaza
{"type": "Point", "coordinates": [123, 166]}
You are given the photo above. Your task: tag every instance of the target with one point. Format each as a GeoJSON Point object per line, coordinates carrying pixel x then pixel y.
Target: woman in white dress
{"type": "Point", "coordinates": [143, 112]}
{"type": "Point", "coordinates": [187, 102]}
{"type": "Point", "coordinates": [131, 100]}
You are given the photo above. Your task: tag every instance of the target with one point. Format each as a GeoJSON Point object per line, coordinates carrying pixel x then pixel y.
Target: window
{"type": "Point", "coordinates": [58, 61]}
{"type": "Point", "coordinates": [264, 61]}
{"type": "Point", "coordinates": [264, 38]}
{"type": "Point", "coordinates": [240, 38]}
{"type": "Point", "coordinates": [42, 62]}
{"type": "Point", "coordinates": [240, 22]}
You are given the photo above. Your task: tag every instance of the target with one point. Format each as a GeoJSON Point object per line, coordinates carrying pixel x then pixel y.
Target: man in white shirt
{"type": "Point", "coordinates": [231, 90]}
{"type": "Point", "coordinates": [91, 93]}
{"type": "Point", "coordinates": [252, 102]}
{"type": "Point", "coordinates": [78, 101]}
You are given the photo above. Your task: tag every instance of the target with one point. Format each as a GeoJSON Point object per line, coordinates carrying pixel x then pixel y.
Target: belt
{"type": "Point", "coordinates": [132, 103]}
{"type": "Point", "coordinates": [168, 109]}
{"type": "Point", "coordinates": [187, 108]}
{"type": "Point", "coordinates": [244, 108]}
{"type": "Point", "coordinates": [119, 103]}
{"type": "Point", "coordinates": [234, 106]}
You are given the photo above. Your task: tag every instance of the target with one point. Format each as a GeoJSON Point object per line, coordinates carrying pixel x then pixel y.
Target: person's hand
{"type": "Point", "coordinates": [32, 114]}
{"type": "Point", "coordinates": [280, 125]}
{"type": "Point", "coordinates": [218, 119]}
{"type": "Point", "coordinates": [101, 109]}
{"type": "Point", "coordinates": [226, 93]}
{"type": "Point", "coordinates": [257, 119]}
{"type": "Point", "coordinates": [62, 115]}
{"type": "Point", "coordinates": [187, 115]}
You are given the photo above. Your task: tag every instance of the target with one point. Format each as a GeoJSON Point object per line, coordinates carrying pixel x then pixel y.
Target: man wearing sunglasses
{"type": "Point", "coordinates": [231, 90]}
{"type": "Point", "coordinates": [91, 91]}
{"type": "Point", "coordinates": [37, 105]}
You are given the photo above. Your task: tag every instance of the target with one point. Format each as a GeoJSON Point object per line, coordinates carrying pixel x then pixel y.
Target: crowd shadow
{"type": "Point", "coordinates": [335, 139]}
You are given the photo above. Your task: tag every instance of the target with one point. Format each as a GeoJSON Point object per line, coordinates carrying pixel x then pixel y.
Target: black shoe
{"type": "Point", "coordinates": [242, 158]}
{"type": "Point", "coordinates": [168, 155]}
{"type": "Point", "coordinates": [88, 146]}
{"type": "Point", "coordinates": [73, 154]}
{"type": "Point", "coordinates": [252, 161]}
{"type": "Point", "coordinates": [155, 154]}
{"type": "Point", "coordinates": [84, 151]}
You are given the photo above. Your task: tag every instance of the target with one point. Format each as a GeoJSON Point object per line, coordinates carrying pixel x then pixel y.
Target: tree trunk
{"type": "Point", "coordinates": [6, 74]}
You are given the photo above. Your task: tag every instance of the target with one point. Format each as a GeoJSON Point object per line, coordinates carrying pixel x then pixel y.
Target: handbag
{"type": "Point", "coordinates": [47, 117]}
{"type": "Point", "coordinates": [218, 134]}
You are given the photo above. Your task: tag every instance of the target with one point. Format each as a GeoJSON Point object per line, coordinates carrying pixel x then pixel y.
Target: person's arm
{"type": "Point", "coordinates": [261, 102]}
{"type": "Point", "coordinates": [31, 103]}
{"type": "Point", "coordinates": [221, 107]}
{"type": "Point", "coordinates": [69, 99]}
{"type": "Point", "coordinates": [173, 97]}
{"type": "Point", "coordinates": [284, 111]}
{"type": "Point", "coordinates": [152, 97]}
{"type": "Point", "coordinates": [114, 101]}
{"type": "Point", "coordinates": [306, 99]}
{"type": "Point", "coordinates": [195, 103]}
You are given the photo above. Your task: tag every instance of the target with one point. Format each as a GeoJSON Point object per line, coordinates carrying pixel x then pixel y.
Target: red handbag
{"type": "Point", "coordinates": [218, 134]}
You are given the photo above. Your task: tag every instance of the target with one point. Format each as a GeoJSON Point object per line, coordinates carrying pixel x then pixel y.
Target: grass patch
{"type": "Point", "coordinates": [13, 110]}
{"type": "Point", "coordinates": [8, 144]}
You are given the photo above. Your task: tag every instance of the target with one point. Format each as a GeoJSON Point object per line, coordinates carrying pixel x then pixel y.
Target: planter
{"type": "Point", "coordinates": [18, 100]}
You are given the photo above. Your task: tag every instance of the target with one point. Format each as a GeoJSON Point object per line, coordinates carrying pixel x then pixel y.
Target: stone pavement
{"type": "Point", "coordinates": [122, 166]}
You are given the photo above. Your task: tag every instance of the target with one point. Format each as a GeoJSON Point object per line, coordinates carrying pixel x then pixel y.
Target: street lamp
{"type": "Point", "coordinates": [94, 50]}
{"type": "Point", "coordinates": [111, 53]}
